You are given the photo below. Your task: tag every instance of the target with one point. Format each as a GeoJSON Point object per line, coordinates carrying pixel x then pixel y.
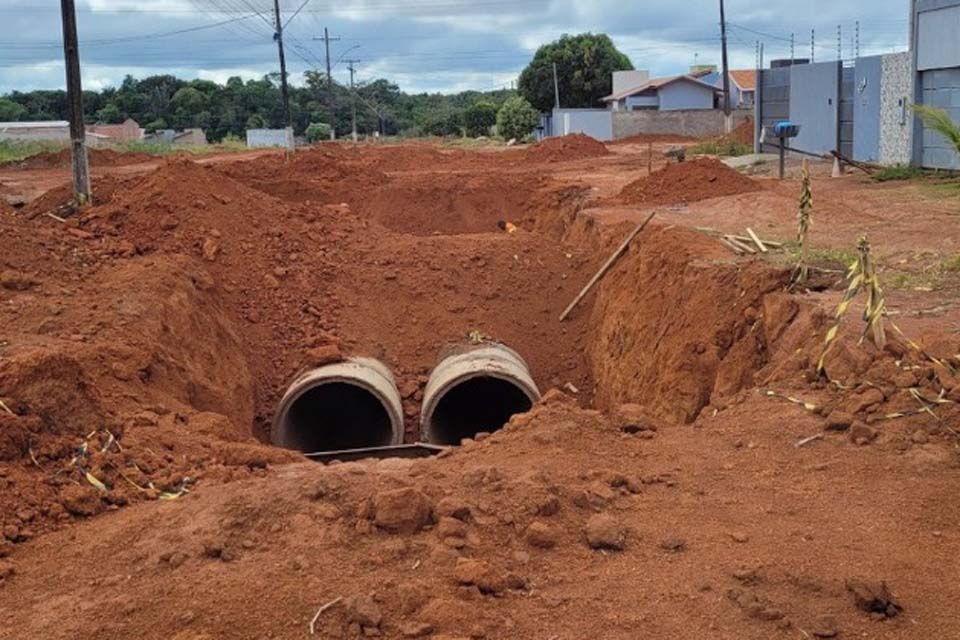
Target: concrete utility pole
{"type": "Point", "coordinates": [284, 91]}
{"type": "Point", "coordinates": [331, 99]}
{"type": "Point", "coordinates": [556, 88]}
{"type": "Point", "coordinates": [726, 70]}
{"type": "Point", "coordinates": [353, 96]}
{"type": "Point", "coordinates": [71, 54]}
{"type": "Point", "coordinates": [813, 40]}
{"type": "Point", "coordinates": [792, 54]}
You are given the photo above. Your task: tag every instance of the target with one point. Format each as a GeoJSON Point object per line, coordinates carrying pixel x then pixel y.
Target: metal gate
{"type": "Point", "coordinates": [774, 99]}
{"type": "Point", "coordinates": [845, 115]}
{"type": "Point", "coordinates": [941, 88]}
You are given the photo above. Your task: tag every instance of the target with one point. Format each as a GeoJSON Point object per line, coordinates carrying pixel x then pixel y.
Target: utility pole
{"type": "Point", "coordinates": [813, 36]}
{"type": "Point", "coordinates": [839, 42]}
{"type": "Point", "coordinates": [71, 54]}
{"type": "Point", "coordinates": [353, 96]}
{"type": "Point", "coordinates": [791, 49]}
{"type": "Point", "coordinates": [284, 91]}
{"type": "Point", "coordinates": [556, 88]}
{"type": "Point", "coordinates": [856, 46]}
{"type": "Point", "coordinates": [726, 71]}
{"type": "Point", "coordinates": [331, 98]}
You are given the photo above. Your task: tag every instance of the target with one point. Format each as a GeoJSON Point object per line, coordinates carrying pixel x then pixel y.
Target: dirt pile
{"type": "Point", "coordinates": [742, 134]}
{"type": "Point", "coordinates": [482, 543]}
{"type": "Point", "coordinates": [576, 146]}
{"type": "Point", "coordinates": [689, 181]}
{"type": "Point", "coordinates": [324, 175]}
{"type": "Point", "coordinates": [96, 157]}
{"type": "Point", "coordinates": [453, 204]}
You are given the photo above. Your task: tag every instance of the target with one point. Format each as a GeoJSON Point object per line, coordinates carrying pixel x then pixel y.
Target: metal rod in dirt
{"type": "Point", "coordinates": [71, 52]}
{"type": "Point", "coordinates": [606, 267]}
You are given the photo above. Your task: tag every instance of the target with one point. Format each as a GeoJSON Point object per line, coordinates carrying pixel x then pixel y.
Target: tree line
{"type": "Point", "coordinates": [584, 62]}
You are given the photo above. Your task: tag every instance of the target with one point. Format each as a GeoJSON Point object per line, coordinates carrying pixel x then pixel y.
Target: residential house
{"type": "Point", "coordinates": [669, 93]}
{"type": "Point", "coordinates": [187, 137]}
{"type": "Point", "coordinates": [128, 131]}
{"type": "Point", "coordinates": [51, 130]}
{"type": "Point", "coordinates": [743, 88]}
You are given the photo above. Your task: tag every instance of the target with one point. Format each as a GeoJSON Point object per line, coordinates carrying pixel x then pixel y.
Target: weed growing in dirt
{"type": "Point", "coordinates": [722, 148]}
{"type": "Point", "coordinates": [16, 150]}
{"type": "Point", "coordinates": [834, 258]}
{"type": "Point", "coordinates": [897, 172]}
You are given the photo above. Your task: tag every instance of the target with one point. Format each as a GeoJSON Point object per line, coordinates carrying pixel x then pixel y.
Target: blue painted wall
{"type": "Point", "coordinates": [866, 109]}
{"type": "Point", "coordinates": [685, 95]}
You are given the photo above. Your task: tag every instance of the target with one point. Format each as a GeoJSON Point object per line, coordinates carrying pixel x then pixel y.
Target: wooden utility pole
{"type": "Point", "coordinates": [71, 54]}
{"type": "Point", "coordinates": [284, 90]}
{"type": "Point", "coordinates": [726, 70]}
{"type": "Point", "coordinates": [332, 98]}
{"type": "Point", "coordinates": [353, 97]}
{"type": "Point", "coordinates": [556, 88]}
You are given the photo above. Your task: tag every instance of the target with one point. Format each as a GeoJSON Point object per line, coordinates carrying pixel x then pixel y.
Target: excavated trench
{"type": "Point", "coordinates": [675, 323]}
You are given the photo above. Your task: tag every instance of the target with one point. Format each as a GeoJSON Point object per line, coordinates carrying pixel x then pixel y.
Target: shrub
{"type": "Point", "coordinates": [939, 120]}
{"type": "Point", "coordinates": [517, 118]}
{"type": "Point", "coordinates": [728, 148]}
{"type": "Point", "coordinates": [479, 118]}
{"type": "Point", "coordinates": [318, 131]}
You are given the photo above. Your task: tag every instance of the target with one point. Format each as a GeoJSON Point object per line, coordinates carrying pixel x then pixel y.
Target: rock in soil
{"type": "Point", "coordinates": [401, 511]}
{"type": "Point", "coordinates": [874, 597]}
{"type": "Point", "coordinates": [480, 574]}
{"type": "Point", "coordinates": [605, 532]}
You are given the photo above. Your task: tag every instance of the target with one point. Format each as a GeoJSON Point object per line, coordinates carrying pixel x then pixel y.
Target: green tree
{"type": "Point", "coordinates": [110, 114]}
{"type": "Point", "coordinates": [585, 66]}
{"type": "Point", "coordinates": [10, 111]}
{"type": "Point", "coordinates": [516, 119]}
{"type": "Point", "coordinates": [317, 131]}
{"type": "Point", "coordinates": [479, 118]}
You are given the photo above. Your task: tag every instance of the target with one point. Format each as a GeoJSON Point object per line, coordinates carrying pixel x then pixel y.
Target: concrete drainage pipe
{"type": "Point", "coordinates": [348, 405]}
{"type": "Point", "coordinates": [476, 389]}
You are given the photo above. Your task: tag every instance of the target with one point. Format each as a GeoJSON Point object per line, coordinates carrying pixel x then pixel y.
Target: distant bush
{"type": "Point", "coordinates": [444, 123]}
{"type": "Point", "coordinates": [318, 131]}
{"type": "Point", "coordinates": [479, 118]}
{"type": "Point", "coordinates": [517, 119]}
{"type": "Point", "coordinates": [16, 150]}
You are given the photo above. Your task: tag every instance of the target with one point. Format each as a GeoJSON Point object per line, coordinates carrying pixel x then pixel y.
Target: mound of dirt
{"type": "Point", "coordinates": [743, 134]}
{"type": "Point", "coordinates": [690, 181]}
{"type": "Point", "coordinates": [575, 146]}
{"type": "Point", "coordinates": [96, 157]}
{"type": "Point", "coordinates": [451, 204]}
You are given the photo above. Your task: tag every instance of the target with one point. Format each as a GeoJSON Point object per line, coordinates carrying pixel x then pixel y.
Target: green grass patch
{"type": "Point", "coordinates": [834, 258]}
{"type": "Point", "coordinates": [898, 172]}
{"type": "Point", "coordinates": [17, 150]}
{"type": "Point", "coordinates": [727, 148]}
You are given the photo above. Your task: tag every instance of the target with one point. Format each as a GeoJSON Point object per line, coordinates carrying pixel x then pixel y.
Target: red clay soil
{"type": "Point", "coordinates": [145, 342]}
{"type": "Point", "coordinates": [691, 181]}
{"type": "Point", "coordinates": [742, 134]}
{"type": "Point", "coordinates": [576, 146]}
{"type": "Point", "coordinates": [96, 157]}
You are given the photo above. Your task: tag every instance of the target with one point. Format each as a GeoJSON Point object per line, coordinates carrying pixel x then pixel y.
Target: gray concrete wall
{"type": "Point", "coordinates": [774, 103]}
{"type": "Point", "coordinates": [896, 89]}
{"type": "Point", "coordinates": [814, 90]}
{"type": "Point", "coordinates": [596, 123]}
{"type": "Point", "coordinates": [685, 95]}
{"type": "Point", "coordinates": [52, 134]}
{"type": "Point", "coordinates": [696, 123]}
{"type": "Point", "coordinates": [938, 44]}
{"type": "Point", "coordinates": [261, 138]}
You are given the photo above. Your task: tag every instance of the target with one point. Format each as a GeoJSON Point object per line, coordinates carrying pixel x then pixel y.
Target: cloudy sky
{"type": "Point", "coordinates": [423, 45]}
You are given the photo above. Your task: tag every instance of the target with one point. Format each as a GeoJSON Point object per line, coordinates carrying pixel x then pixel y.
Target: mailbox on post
{"type": "Point", "coordinates": [783, 131]}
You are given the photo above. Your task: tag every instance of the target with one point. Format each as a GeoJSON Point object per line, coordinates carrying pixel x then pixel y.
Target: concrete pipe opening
{"type": "Point", "coordinates": [475, 389]}
{"type": "Point", "coordinates": [348, 405]}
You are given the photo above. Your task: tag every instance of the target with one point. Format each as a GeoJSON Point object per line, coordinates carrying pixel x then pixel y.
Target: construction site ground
{"type": "Point", "coordinates": [687, 474]}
